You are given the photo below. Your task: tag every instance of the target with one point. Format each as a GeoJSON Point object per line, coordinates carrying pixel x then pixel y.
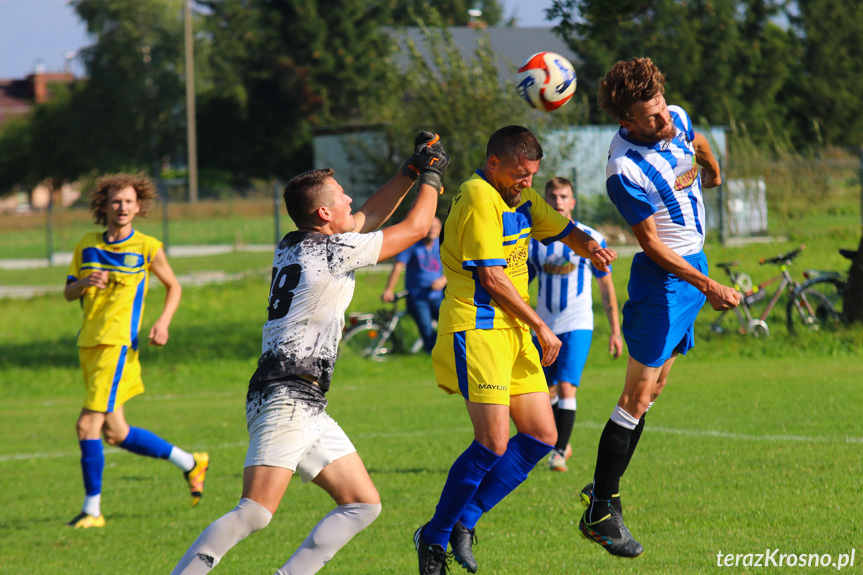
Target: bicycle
{"type": "Point", "coordinates": [377, 334]}
{"type": "Point", "coordinates": [799, 308]}
{"type": "Point", "coordinates": [824, 291]}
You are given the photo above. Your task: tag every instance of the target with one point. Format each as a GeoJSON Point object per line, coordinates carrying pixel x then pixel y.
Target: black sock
{"type": "Point", "coordinates": [610, 458]}
{"type": "Point", "coordinates": [633, 443]}
{"type": "Point", "coordinates": [563, 420]}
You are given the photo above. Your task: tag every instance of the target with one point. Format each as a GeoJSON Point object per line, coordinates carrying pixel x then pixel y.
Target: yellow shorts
{"type": "Point", "coordinates": [112, 376]}
{"type": "Point", "coordinates": [488, 365]}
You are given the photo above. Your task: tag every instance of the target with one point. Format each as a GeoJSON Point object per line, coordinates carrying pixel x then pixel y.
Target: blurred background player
{"type": "Point", "coordinates": [653, 179]}
{"type": "Point", "coordinates": [424, 281]}
{"type": "Point", "coordinates": [565, 303]}
{"type": "Point", "coordinates": [484, 350]}
{"type": "Point", "coordinates": [109, 274]}
{"type": "Point", "coordinates": [289, 429]}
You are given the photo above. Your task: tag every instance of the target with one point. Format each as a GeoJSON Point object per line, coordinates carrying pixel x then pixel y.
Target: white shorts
{"type": "Point", "coordinates": [295, 435]}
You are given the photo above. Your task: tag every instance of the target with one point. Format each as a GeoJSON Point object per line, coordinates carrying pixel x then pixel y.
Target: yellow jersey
{"type": "Point", "coordinates": [112, 316]}
{"type": "Point", "coordinates": [481, 230]}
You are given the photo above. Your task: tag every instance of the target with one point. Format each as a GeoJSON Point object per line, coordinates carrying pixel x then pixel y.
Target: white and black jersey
{"type": "Point", "coordinates": [312, 286]}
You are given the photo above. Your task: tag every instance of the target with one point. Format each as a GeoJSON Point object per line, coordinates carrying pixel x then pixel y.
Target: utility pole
{"type": "Point", "coordinates": [191, 137]}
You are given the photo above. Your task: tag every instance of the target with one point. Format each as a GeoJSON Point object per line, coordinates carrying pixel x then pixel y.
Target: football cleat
{"type": "Point", "coordinates": [586, 496]}
{"type": "Point", "coordinates": [195, 477]}
{"type": "Point", "coordinates": [557, 461]}
{"type": "Point", "coordinates": [611, 534]}
{"type": "Point", "coordinates": [462, 540]}
{"type": "Point", "coordinates": [84, 521]}
{"type": "Point", "coordinates": [433, 559]}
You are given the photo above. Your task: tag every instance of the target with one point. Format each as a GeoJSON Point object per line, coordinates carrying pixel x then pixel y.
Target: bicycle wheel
{"type": "Point", "coordinates": [363, 340]}
{"type": "Point", "coordinates": [814, 306]}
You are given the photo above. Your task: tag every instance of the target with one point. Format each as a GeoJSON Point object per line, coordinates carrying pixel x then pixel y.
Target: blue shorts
{"type": "Point", "coordinates": [659, 317]}
{"type": "Point", "coordinates": [571, 359]}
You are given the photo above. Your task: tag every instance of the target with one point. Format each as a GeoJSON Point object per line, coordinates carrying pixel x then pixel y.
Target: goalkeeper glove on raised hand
{"type": "Point", "coordinates": [428, 162]}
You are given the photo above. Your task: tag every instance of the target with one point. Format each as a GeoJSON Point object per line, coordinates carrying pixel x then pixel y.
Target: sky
{"type": "Point", "coordinates": [48, 31]}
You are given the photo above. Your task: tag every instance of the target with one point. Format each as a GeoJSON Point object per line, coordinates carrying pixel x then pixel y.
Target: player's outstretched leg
{"type": "Point", "coordinates": [222, 534]}
{"type": "Point", "coordinates": [195, 477]}
{"type": "Point", "coordinates": [194, 466]}
{"type": "Point", "coordinates": [600, 522]}
{"type": "Point", "coordinates": [331, 533]}
{"type": "Point", "coordinates": [92, 465]}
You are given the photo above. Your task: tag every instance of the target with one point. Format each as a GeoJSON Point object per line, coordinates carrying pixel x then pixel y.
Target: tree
{"type": "Point", "coordinates": [445, 12]}
{"type": "Point", "coordinates": [726, 61]}
{"type": "Point", "coordinates": [462, 100]}
{"type": "Point", "coordinates": [129, 112]}
{"type": "Point", "coordinates": [280, 68]}
{"type": "Point", "coordinates": [831, 34]}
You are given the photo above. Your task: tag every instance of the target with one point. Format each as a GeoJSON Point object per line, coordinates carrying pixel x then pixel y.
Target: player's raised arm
{"type": "Point", "coordinates": [431, 162]}
{"type": "Point", "coordinates": [384, 202]}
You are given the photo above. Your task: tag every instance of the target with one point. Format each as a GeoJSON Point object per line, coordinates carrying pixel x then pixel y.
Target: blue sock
{"type": "Point", "coordinates": [145, 442]}
{"type": "Point", "coordinates": [92, 464]}
{"type": "Point", "coordinates": [523, 452]}
{"type": "Point", "coordinates": [464, 477]}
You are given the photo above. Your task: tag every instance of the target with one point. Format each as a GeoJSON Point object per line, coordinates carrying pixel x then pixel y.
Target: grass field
{"type": "Point", "coordinates": [756, 444]}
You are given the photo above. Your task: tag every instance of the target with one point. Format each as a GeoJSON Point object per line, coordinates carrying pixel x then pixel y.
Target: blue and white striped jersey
{"type": "Point", "coordinates": [661, 180]}
{"type": "Point", "coordinates": [564, 301]}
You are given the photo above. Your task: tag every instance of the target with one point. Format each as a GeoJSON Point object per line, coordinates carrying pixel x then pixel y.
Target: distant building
{"type": "Point", "coordinates": [18, 96]}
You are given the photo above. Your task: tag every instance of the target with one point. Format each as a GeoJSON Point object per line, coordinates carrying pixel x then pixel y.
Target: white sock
{"type": "Point", "coordinates": [567, 403]}
{"type": "Point", "coordinates": [182, 459]}
{"type": "Point", "coordinates": [329, 535]}
{"type": "Point", "coordinates": [93, 505]}
{"type": "Point", "coordinates": [222, 534]}
{"type": "Point", "coordinates": [623, 419]}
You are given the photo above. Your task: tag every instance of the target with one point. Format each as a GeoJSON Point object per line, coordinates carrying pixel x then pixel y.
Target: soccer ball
{"type": "Point", "coordinates": [546, 81]}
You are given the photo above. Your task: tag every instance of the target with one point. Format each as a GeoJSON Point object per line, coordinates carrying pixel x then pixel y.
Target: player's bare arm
{"type": "Point", "coordinates": [609, 304]}
{"type": "Point", "coordinates": [74, 290]}
{"type": "Point", "coordinates": [495, 281]}
{"type": "Point", "coordinates": [382, 204]}
{"type": "Point", "coordinates": [711, 176]}
{"type": "Point", "coordinates": [581, 243]}
{"type": "Point", "coordinates": [162, 269]}
{"type": "Point", "coordinates": [720, 297]}
{"type": "Point", "coordinates": [428, 163]}
{"type": "Point", "coordinates": [415, 226]}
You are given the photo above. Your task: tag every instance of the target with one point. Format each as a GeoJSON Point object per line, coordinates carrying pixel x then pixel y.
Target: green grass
{"type": "Point", "coordinates": [754, 445]}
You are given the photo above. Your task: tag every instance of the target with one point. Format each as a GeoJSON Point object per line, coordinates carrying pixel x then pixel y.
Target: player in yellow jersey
{"type": "Point", "coordinates": [484, 350]}
{"type": "Point", "coordinates": [109, 274]}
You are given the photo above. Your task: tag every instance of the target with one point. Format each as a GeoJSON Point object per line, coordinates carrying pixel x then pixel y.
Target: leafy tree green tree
{"type": "Point", "coordinates": [447, 12]}
{"type": "Point", "coordinates": [130, 109]}
{"type": "Point", "coordinates": [462, 100]}
{"type": "Point", "coordinates": [279, 69]}
{"type": "Point", "coordinates": [726, 61]}
{"type": "Point", "coordinates": [831, 33]}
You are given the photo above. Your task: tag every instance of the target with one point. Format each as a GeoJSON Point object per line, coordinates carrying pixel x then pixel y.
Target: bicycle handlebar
{"type": "Point", "coordinates": [401, 294]}
{"type": "Point", "coordinates": [784, 258]}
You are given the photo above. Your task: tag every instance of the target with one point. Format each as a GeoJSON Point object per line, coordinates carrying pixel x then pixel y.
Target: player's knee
{"type": "Point", "coordinates": [112, 436]}
{"type": "Point", "coordinates": [252, 515]}
{"type": "Point", "coordinates": [365, 513]}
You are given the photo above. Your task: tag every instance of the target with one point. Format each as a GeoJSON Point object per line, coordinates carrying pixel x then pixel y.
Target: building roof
{"type": "Point", "coordinates": [14, 99]}
{"type": "Point", "coordinates": [512, 45]}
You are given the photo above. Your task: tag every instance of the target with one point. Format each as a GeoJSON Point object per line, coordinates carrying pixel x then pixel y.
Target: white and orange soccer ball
{"type": "Point", "coordinates": [546, 81]}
